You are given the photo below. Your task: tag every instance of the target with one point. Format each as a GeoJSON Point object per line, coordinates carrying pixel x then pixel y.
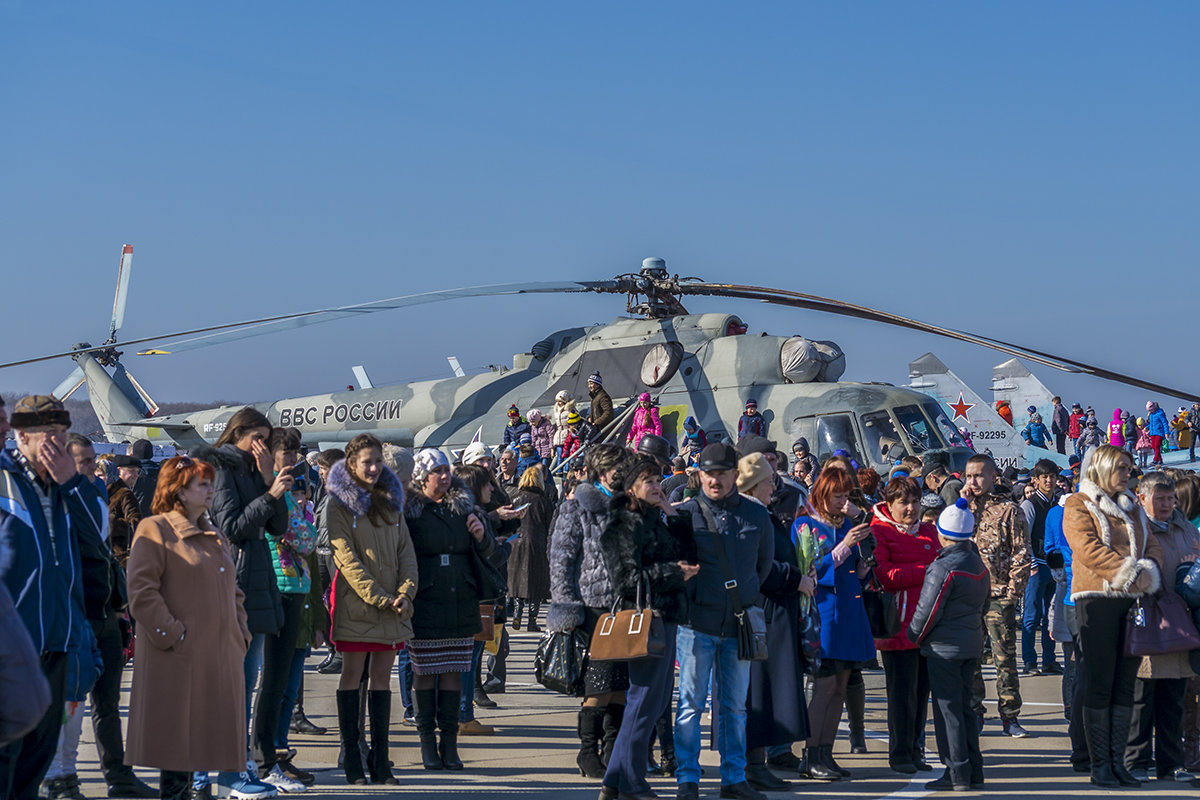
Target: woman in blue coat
{"type": "Point", "coordinates": [845, 634]}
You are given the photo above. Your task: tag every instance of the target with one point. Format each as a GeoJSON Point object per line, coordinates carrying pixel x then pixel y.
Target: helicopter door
{"type": "Point", "coordinates": [836, 432]}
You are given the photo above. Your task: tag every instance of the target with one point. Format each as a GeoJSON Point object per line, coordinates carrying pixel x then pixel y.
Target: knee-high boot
{"type": "Point", "coordinates": [447, 719]}
{"type": "Point", "coordinates": [379, 707]}
{"type": "Point", "coordinates": [591, 723]}
{"type": "Point", "coordinates": [1122, 719]}
{"type": "Point", "coordinates": [1191, 726]}
{"type": "Point", "coordinates": [856, 711]}
{"type": "Point", "coordinates": [425, 702]}
{"type": "Point", "coordinates": [613, 714]}
{"type": "Point", "coordinates": [347, 707]}
{"type": "Point", "coordinates": [1097, 729]}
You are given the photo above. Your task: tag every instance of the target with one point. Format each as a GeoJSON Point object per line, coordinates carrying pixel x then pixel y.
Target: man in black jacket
{"type": "Point", "coordinates": [105, 598]}
{"type": "Point", "coordinates": [947, 627]}
{"type": "Point", "coordinates": [735, 544]}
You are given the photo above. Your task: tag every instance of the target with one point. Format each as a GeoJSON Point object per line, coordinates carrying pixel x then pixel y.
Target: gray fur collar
{"type": "Point", "coordinates": [458, 499]}
{"type": "Point", "coordinates": [342, 487]}
{"type": "Point", "coordinates": [591, 499]}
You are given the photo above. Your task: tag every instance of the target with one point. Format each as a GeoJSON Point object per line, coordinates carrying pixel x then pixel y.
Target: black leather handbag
{"type": "Point", "coordinates": [883, 612]}
{"type": "Point", "coordinates": [559, 662]}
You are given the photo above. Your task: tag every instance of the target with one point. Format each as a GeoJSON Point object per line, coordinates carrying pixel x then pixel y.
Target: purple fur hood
{"type": "Point", "coordinates": [342, 487]}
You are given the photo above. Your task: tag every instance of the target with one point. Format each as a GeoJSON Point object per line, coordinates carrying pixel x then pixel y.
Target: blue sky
{"type": "Point", "coordinates": [1028, 173]}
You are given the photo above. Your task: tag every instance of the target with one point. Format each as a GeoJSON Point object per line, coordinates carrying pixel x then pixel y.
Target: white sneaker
{"type": "Point", "coordinates": [246, 787]}
{"type": "Point", "coordinates": [282, 782]}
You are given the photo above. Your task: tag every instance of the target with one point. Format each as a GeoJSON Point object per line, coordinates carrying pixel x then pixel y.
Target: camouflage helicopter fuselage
{"type": "Point", "coordinates": [702, 365]}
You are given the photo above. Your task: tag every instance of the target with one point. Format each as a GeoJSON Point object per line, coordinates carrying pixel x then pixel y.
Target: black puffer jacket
{"type": "Point", "coordinates": [636, 544]}
{"type": "Point", "coordinates": [948, 622]}
{"type": "Point", "coordinates": [449, 579]}
{"type": "Point", "coordinates": [242, 510]}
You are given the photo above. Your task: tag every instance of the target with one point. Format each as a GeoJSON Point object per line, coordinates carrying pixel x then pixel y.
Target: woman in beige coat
{"type": "Point", "coordinates": [186, 707]}
{"type": "Point", "coordinates": [1115, 560]}
{"type": "Point", "coordinates": [1156, 739]}
{"type": "Point", "coordinates": [373, 590]}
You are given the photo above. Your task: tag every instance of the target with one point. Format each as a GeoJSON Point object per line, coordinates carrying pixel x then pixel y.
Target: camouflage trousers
{"type": "Point", "coordinates": [1001, 623]}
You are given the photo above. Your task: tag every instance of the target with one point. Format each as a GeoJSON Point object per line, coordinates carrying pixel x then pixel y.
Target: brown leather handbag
{"type": "Point", "coordinates": [629, 635]}
{"type": "Point", "coordinates": [487, 616]}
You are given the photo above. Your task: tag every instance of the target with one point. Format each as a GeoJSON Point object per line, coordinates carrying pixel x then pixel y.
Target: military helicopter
{"type": "Point", "coordinates": [706, 365]}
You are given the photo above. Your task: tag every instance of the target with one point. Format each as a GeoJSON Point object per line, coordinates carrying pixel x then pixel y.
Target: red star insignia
{"type": "Point", "coordinates": [961, 408]}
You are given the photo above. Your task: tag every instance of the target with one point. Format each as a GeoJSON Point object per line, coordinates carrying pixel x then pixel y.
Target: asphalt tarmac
{"type": "Point", "coordinates": [532, 754]}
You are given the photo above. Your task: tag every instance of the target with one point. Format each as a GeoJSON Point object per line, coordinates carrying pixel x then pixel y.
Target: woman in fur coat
{"type": "Point", "coordinates": [450, 542]}
{"type": "Point", "coordinates": [646, 544]}
{"type": "Point", "coordinates": [374, 589]}
{"type": "Point", "coordinates": [580, 592]}
{"type": "Point", "coordinates": [1115, 560]}
{"type": "Point", "coordinates": [529, 563]}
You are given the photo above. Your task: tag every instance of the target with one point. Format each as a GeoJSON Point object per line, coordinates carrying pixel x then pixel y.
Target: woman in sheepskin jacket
{"type": "Point", "coordinates": [1114, 561]}
{"type": "Point", "coordinates": [373, 593]}
{"type": "Point", "coordinates": [451, 542]}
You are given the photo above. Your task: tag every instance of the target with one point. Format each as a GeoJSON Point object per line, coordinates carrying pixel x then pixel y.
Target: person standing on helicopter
{"type": "Point", "coordinates": [601, 411]}
{"type": "Point", "coordinates": [751, 423]}
{"type": "Point", "coordinates": [516, 426]}
{"type": "Point", "coordinates": [694, 440]}
{"type": "Point", "coordinates": [645, 420]}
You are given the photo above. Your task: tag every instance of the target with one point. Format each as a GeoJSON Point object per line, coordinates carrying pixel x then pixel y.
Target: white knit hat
{"type": "Point", "coordinates": [957, 522]}
{"type": "Point", "coordinates": [426, 462]}
{"type": "Point", "coordinates": [476, 451]}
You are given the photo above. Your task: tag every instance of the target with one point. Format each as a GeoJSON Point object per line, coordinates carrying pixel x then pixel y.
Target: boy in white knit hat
{"type": "Point", "coordinates": [948, 627]}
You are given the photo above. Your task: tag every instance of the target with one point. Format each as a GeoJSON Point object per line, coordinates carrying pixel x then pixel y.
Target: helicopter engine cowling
{"type": "Point", "coordinates": [806, 361]}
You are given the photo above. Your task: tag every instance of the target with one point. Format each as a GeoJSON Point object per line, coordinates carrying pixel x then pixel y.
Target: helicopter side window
{"type": "Point", "coordinates": [883, 442]}
{"type": "Point", "coordinates": [944, 425]}
{"type": "Point", "coordinates": [916, 428]}
{"type": "Point", "coordinates": [836, 432]}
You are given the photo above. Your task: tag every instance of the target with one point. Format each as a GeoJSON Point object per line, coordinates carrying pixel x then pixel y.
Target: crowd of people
{"type": "Point", "coordinates": [778, 578]}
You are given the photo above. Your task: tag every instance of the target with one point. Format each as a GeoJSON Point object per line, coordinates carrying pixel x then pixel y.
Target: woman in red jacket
{"type": "Point", "coordinates": [904, 546]}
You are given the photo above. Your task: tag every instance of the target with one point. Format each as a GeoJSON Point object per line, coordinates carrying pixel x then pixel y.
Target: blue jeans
{"type": "Point", "coordinates": [287, 703]}
{"type": "Point", "coordinates": [702, 657]}
{"type": "Point", "coordinates": [466, 705]}
{"type": "Point", "coordinates": [404, 671]}
{"type": "Point", "coordinates": [650, 683]}
{"type": "Point", "coordinates": [1039, 594]}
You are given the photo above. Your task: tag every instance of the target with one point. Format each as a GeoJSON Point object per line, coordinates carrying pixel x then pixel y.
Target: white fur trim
{"type": "Point", "coordinates": [1148, 565]}
{"type": "Point", "coordinates": [1125, 576]}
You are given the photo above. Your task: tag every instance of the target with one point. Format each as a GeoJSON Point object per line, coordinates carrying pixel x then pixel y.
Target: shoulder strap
{"type": "Point", "coordinates": [723, 557]}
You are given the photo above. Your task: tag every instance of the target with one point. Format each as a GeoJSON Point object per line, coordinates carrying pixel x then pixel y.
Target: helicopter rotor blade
{"type": "Point", "coordinates": [258, 327]}
{"type": "Point", "coordinates": [69, 384]}
{"type": "Point", "coordinates": [291, 322]}
{"type": "Point", "coordinates": [828, 305]}
{"type": "Point", "coordinates": [124, 267]}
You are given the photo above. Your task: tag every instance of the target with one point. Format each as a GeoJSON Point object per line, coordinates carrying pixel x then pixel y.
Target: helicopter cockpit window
{"type": "Point", "coordinates": [883, 443]}
{"type": "Point", "coordinates": [944, 424]}
{"type": "Point", "coordinates": [836, 432]}
{"type": "Point", "coordinates": [916, 428]}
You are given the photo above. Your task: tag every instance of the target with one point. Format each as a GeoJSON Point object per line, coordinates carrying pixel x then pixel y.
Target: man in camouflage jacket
{"type": "Point", "coordinates": [1002, 536]}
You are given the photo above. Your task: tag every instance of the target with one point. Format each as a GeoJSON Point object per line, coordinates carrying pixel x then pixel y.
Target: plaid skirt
{"type": "Point", "coordinates": [439, 656]}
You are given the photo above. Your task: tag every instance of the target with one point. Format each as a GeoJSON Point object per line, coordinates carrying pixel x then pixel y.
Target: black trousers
{"type": "Point", "coordinates": [1080, 757]}
{"type": "Point", "coordinates": [23, 763]}
{"type": "Point", "coordinates": [1156, 735]}
{"type": "Point", "coordinates": [1060, 443]}
{"type": "Point", "coordinates": [106, 702]}
{"type": "Point", "coordinates": [1108, 674]}
{"type": "Point", "coordinates": [278, 651]}
{"type": "Point", "coordinates": [907, 677]}
{"type": "Point", "coordinates": [954, 722]}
